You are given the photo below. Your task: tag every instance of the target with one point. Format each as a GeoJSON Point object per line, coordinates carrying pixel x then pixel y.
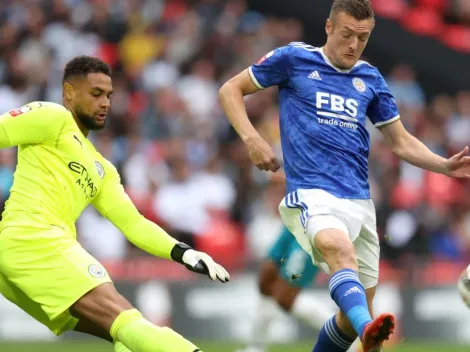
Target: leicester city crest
{"type": "Point", "coordinates": [359, 85]}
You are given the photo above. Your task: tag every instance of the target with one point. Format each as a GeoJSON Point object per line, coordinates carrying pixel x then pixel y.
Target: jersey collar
{"type": "Point", "coordinates": [322, 52]}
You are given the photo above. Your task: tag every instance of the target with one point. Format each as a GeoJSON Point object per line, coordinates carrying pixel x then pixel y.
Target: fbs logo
{"type": "Point", "coordinates": [337, 104]}
{"type": "Point", "coordinates": [96, 270]}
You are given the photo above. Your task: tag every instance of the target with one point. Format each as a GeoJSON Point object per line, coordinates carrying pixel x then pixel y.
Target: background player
{"type": "Point", "coordinates": [326, 94]}
{"type": "Point", "coordinates": [284, 273]}
{"type": "Point", "coordinates": [43, 269]}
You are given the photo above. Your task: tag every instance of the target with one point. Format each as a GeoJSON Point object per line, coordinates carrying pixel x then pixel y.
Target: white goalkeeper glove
{"type": "Point", "coordinates": [199, 262]}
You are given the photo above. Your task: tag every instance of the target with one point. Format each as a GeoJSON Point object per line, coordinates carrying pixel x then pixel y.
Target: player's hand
{"type": "Point", "coordinates": [199, 262]}
{"type": "Point", "coordinates": [458, 166]}
{"type": "Point", "coordinates": [202, 263]}
{"type": "Point", "coordinates": [262, 155]}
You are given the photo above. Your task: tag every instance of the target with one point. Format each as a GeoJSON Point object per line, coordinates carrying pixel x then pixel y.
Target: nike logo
{"type": "Point", "coordinates": [79, 141]}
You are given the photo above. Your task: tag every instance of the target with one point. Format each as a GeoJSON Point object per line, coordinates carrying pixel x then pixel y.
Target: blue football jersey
{"type": "Point", "coordinates": [323, 113]}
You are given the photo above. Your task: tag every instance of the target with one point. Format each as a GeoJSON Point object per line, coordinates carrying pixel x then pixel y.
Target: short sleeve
{"type": "Point", "coordinates": [272, 69]}
{"type": "Point", "coordinates": [383, 108]}
{"type": "Point", "coordinates": [33, 123]}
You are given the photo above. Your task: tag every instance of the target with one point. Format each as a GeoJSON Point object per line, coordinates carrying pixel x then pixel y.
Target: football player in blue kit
{"type": "Point", "coordinates": [286, 271]}
{"type": "Point", "coordinates": [325, 96]}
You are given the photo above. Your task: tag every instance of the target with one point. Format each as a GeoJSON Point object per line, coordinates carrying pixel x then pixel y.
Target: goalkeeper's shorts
{"type": "Point", "coordinates": [44, 272]}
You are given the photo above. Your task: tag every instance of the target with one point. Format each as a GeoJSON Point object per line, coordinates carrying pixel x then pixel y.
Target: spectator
{"type": "Point", "coordinates": [179, 159]}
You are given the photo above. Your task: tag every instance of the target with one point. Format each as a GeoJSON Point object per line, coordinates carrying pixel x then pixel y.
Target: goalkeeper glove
{"type": "Point", "coordinates": [198, 262]}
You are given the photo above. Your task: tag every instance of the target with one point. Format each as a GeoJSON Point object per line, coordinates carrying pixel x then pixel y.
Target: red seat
{"type": "Point", "coordinates": [442, 191]}
{"type": "Point", "coordinates": [390, 9]}
{"type": "Point", "coordinates": [423, 21]}
{"type": "Point", "coordinates": [457, 37]}
{"type": "Point", "coordinates": [108, 53]}
{"type": "Point", "coordinates": [223, 240]}
{"type": "Point", "coordinates": [438, 5]}
{"type": "Point", "coordinates": [174, 11]}
{"type": "Point", "coordinates": [406, 195]}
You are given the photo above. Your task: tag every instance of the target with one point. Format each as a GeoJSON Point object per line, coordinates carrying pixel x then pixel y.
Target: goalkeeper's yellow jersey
{"type": "Point", "coordinates": [59, 173]}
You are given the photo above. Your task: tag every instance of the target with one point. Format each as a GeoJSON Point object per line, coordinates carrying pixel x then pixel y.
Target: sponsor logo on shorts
{"type": "Point", "coordinates": [96, 271]}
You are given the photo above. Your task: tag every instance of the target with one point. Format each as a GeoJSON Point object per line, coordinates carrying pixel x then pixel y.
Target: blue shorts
{"type": "Point", "coordinates": [295, 265]}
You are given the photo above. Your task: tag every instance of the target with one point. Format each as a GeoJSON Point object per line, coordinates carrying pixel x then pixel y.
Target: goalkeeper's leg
{"type": "Point", "coordinates": [88, 327]}
{"type": "Point", "coordinates": [111, 312]}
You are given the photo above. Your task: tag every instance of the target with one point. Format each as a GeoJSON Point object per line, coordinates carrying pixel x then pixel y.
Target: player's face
{"type": "Point", "coordinates": [347, 39]}
{"type": "Point", "coordinates": [92, 100]}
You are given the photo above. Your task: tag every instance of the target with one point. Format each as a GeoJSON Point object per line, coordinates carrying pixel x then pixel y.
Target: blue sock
{"type": "Point", "coordinates": [332, 339]}
{"type": "Point", "coordinates": [348, 293]}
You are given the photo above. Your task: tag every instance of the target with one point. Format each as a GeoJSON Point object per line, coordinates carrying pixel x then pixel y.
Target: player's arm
{"type": "Point", "coordinates": [33, 123]}
{"type": "Point", "coordinates": [271, 70]}
{"type": "Point", "coordinates": [413, 151]}
{"type": "Point", "coordinates": [231, 98]}
{"type": "Point", "coordinates": [115, 205]}
{"type": "Point", "coordinates": [410, 149]}
{"type": "Point", "coordinates": [383, 112]}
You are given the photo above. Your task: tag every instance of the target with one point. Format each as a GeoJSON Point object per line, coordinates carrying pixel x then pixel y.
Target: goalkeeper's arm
{"type": "Point", "coordinates": [114, 204]}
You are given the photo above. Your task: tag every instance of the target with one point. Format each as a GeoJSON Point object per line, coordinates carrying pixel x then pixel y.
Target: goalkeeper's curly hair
{"type": "Point", "coordinates": [83, 65]}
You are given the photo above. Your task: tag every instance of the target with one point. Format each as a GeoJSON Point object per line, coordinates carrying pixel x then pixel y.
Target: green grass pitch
{"type": "Point", "coordinates": [209, 347]}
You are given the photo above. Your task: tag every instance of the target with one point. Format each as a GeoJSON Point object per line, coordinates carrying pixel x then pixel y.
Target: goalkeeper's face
{"type": "Point", "coordinates": [92, 100]}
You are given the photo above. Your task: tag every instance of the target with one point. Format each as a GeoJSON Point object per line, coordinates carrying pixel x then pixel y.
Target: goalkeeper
{"type": "Point", "coordinates": [43, 269]}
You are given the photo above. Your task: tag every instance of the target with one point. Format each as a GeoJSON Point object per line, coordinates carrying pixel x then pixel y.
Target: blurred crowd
{"type": "Point", "coordinates": [180, 161]}
{"type": "Point", "coordinates": [452, 11]}
{"type": "Point", "coordinates": [458, 11]}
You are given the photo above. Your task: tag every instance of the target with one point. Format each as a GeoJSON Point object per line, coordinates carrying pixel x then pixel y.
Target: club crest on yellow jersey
{"type": "Point", "coordinates": [100, 169]}
{"type": "Point", "coordinates": [96, 270]}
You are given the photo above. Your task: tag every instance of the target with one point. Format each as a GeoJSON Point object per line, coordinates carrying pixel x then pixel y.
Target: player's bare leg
{"type": "Point", "coordinates": [349, 294]}
{"type": "Point", "coordinates": [101, 306]}
{"type": "Point", "coordinates": [110, 311]}
{"type": "Point", "coordinates": [86, 326]}
{"type": "Point", "coordinates": [285, 294]}
{"type": "Point", "coordinates": [269, 274]}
